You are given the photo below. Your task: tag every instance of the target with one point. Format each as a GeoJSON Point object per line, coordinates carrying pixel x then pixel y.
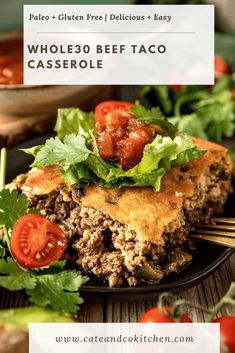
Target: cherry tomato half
{"type": "Point", "coordinates": [36, 242]}
{"type": "Point", "coordinates": [227, 330]}
{"type": "Point", "coordinates": [102, 109]}
{"type": "Point", "coordinates": [158, 314]}
{"type": "Point", "coordinates": [221, 66]}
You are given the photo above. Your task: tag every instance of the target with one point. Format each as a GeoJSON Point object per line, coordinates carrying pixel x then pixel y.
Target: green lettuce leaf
{"type": "Point", "coordinates": [79, 164]}
{"type": "Point", "coordinates": [73, 120]}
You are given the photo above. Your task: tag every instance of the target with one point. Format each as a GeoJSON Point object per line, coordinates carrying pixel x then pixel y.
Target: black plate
{"type": "Point", "coordinates": [207, 259]}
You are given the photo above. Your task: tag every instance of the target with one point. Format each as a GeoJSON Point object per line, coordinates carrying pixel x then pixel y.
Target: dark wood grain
{"type": "Point", "coordinates": [206, 294]}
{"type": "Point", "coordinates": [91, 311]}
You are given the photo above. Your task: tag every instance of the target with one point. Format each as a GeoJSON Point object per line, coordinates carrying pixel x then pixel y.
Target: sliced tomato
{"type": "Point", "coordinates": [36, 242]}
{"type": "Point", "coordinates": [164, 314]}
{"type": "Point", "coordinates": [221, 66]}
{"type": "Point", "coordinates": [102, 109]}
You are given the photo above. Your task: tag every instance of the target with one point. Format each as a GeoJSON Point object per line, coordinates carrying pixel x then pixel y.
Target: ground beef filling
{"type": "Point", "coordinates": [108, 249]}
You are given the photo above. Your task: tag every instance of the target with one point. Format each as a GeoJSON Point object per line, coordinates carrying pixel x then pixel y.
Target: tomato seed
{"type": "Point", "coordinates": [38, 256]}
{"type": "Point", "coordinates": [42, 253]}
{"type": "Point", "coordinates": [51, 245]}
{"type": "Point", "coordinates": [29, 224]}
{"type": "Point", "coordinates": [23, 242]}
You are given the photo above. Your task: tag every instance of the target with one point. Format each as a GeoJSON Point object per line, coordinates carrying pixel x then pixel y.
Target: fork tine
{"type": "Point", "coordinates": [216, 226]}
{"type": "Point", "coordinates": [224, 220]}
{"type": "Point", "coordinates": [214, 232]}
{"type": "Point", "coordinates": [216, 240]}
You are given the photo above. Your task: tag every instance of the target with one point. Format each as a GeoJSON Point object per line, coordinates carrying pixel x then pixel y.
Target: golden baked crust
{"type": "Point", "coordinates": [148, 212]}
{"type": "Point", "coordinates": [145, 211]}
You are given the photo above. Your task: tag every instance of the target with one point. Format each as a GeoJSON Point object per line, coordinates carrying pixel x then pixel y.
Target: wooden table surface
{"type": "Point", "coordinates": [207, 294]}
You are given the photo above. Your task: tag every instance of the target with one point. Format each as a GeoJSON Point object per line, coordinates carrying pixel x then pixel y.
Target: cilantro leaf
{"type": "Point", "coordinates": [71, 151]}
{"type": "Point", "coordinates": [13, 278]}
{"type": "Point", "coordinates": [210, 122]}
{"type": "Point", "coordinates": [154, 116]}
{"type": "Point", "coordinates": [12, 206]}
{"type": "Point", "coordinates": [51, 287]}
{"type": "Point", "coordinates": [192, 125]}
{"type": "Point", "coordinates": [32, 151]}
{"type": "Point", "coordinates": [199, 111]}
{"type": "Point", "coordinates": [59, 289]}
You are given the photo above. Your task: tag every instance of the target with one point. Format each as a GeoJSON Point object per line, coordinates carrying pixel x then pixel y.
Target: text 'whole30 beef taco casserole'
{"type": "Point", "coordinates": [126, 189]}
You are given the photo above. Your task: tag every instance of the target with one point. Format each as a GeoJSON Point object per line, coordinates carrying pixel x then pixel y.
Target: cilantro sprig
{"type": "Point", "coordinates": [205, 112]}
{"type": "Point", "coordinates": [52, 286]}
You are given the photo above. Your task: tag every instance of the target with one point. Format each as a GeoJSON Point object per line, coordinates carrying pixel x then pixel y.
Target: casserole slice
{"type": "Point", "coordinates": [134, 234]}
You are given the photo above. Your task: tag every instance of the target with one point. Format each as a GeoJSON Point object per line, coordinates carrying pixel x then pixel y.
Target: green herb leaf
{"type": "Point", "coordinates": [186, 150]}
{"type": "Point", "coordinates": [73, 120]}
{"type": "Point", "coordinates": [12, 206]}
{"type": "Point", "coordinates": [59, 291]}
{"type": "Point", "coordinates": [154, 116]}
{"type": "Point", "coordinates": [161, 96]}
{"type": "Point", "coordinates": [51, 287]}
{"type": "Point", "coordinates": [186, 98]}
{"type": "Point", "coordinates": [13, 278]}
{"type": "Point", "coordinates": [71, 151]}
{"type": "Point", "coordinates": [32, 151]}
{"type": "Point", "coordinates": [208, 113]}
{"type": "Point", "coordinates": [192, 125]}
